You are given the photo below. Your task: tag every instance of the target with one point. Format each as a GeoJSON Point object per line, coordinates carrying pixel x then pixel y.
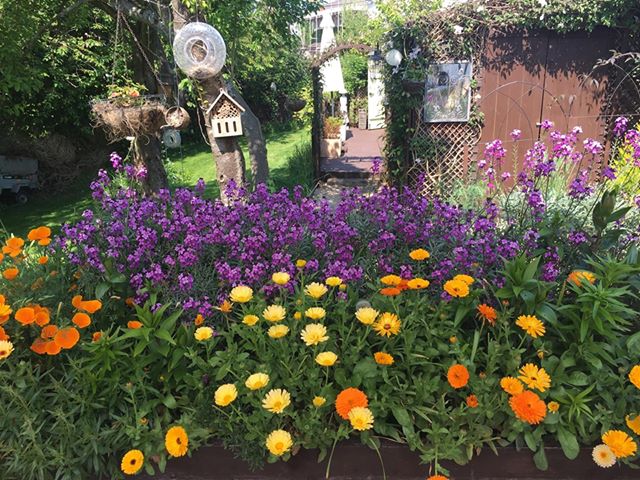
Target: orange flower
{"type": "Point", "coordinates": [5, 310]}
{"type": "Point", "coordinates": [42, 315]}
{"type": "Point", "coordinates": [383, 358]}
{"type": "Point", "coordinates": [511, 385]}
{"type": "Point", "coordinates": [488, 313]}
{"type": "Point", "coordinates": [134, 324]}
{"type": "Point", "coordinates": [472, 401]}
{"type": "Point", "coordinates": [26, 315]}
{"type": "Point", "coordinates": [81, 319]}
{"type": "Point", "coordinates": [3, 335]}
{"type": "Point", "coordinates": [43, 260]}
{"type": "Point", "coordinates": [390, 291]}
{"type": "Point", "coordinates": [10, 273]}
{"type": "Point", "coordinates": [67, 337]}
{"type": "Point", "coordinates": [199, 320]}
{"type": "Point", "coordinates": [350, 398]}
{"type": "Point", "coordinates": [577, 276]}
{"type": "Point", "coordinates": [1, 257]}
{"type": "Point", "coordinates": [52, 348]}
{"type": "Point", "coordinates": [458, 375]}
{"type": "Point", "coordinates": [96, 336]}
{"type": "Point", "coordinates": [225, 307]}
{"type": "Point", "coordinates": [528, 407]}
{"type": "Point", "coordinates": [437, 477]}
{"type": "Point", "coordinates": [456, 288]}
{"type": "Point", "coordinates": [13, 247]}
{"type": "Point", "coordinates": [39, 346]}
{"type": "Point", "coordinates": [49, 331]}
{"type": "Point", "coordinates": [89, 306]}
{"type": "Point", "coordinates": [40, 235]}
{"type": "Point", "coordinates": [129, 302]}
{"type": "Point", "coordinates": [391, 280]}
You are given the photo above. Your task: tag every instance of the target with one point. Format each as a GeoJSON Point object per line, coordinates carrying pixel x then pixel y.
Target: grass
{"type": "Point", "coordinates": [289, 156]}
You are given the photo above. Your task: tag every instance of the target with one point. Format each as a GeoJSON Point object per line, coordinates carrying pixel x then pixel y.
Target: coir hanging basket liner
{"type": "Point", "coordinates": [142, 116]}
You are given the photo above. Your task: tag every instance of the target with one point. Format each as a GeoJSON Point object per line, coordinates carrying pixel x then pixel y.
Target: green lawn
{"type": "Point", "coordinates": [289, 157]}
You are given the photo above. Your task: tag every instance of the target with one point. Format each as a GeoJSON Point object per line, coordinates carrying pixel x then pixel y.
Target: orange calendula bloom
{"type": "Point", "coordinates": [387, 324]}
{"type": "Point", "coordinates": [81, 319]}
{"type": "Point", "coordinates": [391, 280]}
{"type": "Point", "coordinates": [96, 336]}
{"type": "Point", "coordinates": [383, 358]}
{"type": "Point", "coordinates": [390, 291]}
{"type": "Point", "coordinates": [472, 401]}
{"type": "Point", "coordinates": [634, 376]}
{"type": "Point", "coordinates": [43, 260]}
{"type": "Point", "coordinates": [528, 407]}
{"type": "Point", "coordinates": [199, 320]}
{"type": "Point", "coordinates": [43, 317]}
{"type": "Point", "coordinates": [468, 279]}
{"type": "Point", "coordinates": [419, 254]}
{"type": "Point", "coordinates": [49, 332]}
{"type": "Point", "coordinates": [13, 247]}
{"type": "Point", "coordinates": [89, 306]}
{"type": "Point", "coordinates": [176, 441]}
{"type": "Point", "coordinates": [488, 313]}
{"type": "Point", "coordinates": [456, 288]}
{"type": "Point", "coordinates": [534, 377]}
{"type": "Point", "coordinates": [39, 346]}
{"type": "Point", "coordinates": [620, 443]}
{"type": "Point", "coordinates": [3, 335]}
{"type": "Point", "coordinates": [417, 283]}
{"type": "Point", "coordinates": [458, 375]}
{"type": "Point", "coordinates": [531, 325]}
{"type": "Point", "coordinates": [10, 273]}
{"type": "Point", "coordinates": [5, 310]}
{"type": "Point", "coordinates": [511, 385]}
{"type": "Point", "coordinates": [67, 337]}
{"type": "Point", "coordinates": [134, 324]}
{"type": "Point", "coordinates": [52, 348]}
{"type": "Point", "coordinates": [578, 276]}
{"type": "Point", "coordinates": [633, 422]}
{"type": "Point", "coordinates": [26, 315]}
{"type": "Point", "coordinates": [40, 235]}
{"type": "Point", "coordinates": [437, 477]}
{"type": "Point", "coordinates": [129, 301]}
{"type": "Point", "coordinates": [350, 398]}
{"type": "Point", "coordinates": [225, 307]}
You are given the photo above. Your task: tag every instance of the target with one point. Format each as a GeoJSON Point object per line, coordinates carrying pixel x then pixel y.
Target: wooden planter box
{"type": "Point", "coordinates": [353, 461]}
{"type": "Point", "coordinates": [330, 147]}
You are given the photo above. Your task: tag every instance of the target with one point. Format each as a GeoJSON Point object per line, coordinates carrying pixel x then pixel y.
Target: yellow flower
{"type": "Point", "coordinates": [278, 331]}
{"type": "Point", "coordinates": [388, 324]}
{"type": "Point", "coordinates": [453, 339]}
{"type": "Point", "coordinates": [343, 287]}
{"type": "Point", "coordinates": [534, 377]}
{"type": "Point", "coordinates": [300, 263]}
{"type": "Point", "coordinates": [531, 325]}
{"type": "Point", "coordinates": [634, 376]}
{"type": "Point", "coordinates": [361, 418]}
{"type": "Point", "coordinates": [281, 278]}
{"type": "Point", "coordinates": [633, 423]}
{"type": "Point", "coordinates": [326, 359]}
{"type": "Point", "coordinates": [279, 442]}
{"type": "Point", "coordinates": [464, 278]}
{"type": "Point", "coordinates": [603, 456]}
{"type": "Point", "coordinates": [511, 385]}
{"type": "Point", "coordinates": [620, 443]}
{"type": "Point", "coordinates": [553, 407]}
{"type": "Point", "coordinates": [333, 281]}
{"type": "Point", "coordinates": [383, 358]}
{"type": "Point", "coordinates": [367, 315]}
{"type": "Point", "coordinates": [456, 288]}
{"type": "Point", "coordinates": [417, 283]}
{"type": "Point", "coordinates": [276, 400]}
{"type": "Point", "coordinates": [577, 276]}
{"type": "Point", "coordinates": [274, 313]}
{"type": "Point", "coordinates": [315, 290]}
{"type": "Point", "coordinates": [315, 313]}
{"type": "Point", "coordinates": [297, 315]}
{"type": "Point", "coordinates": [225, 394]}
{"type": "Point", "coordinates": [319, 401]}
{"type": "Point", "coordinates": [419, 254]}
{"type": "Point", "coordinates": [176, 441]}
{"type": "Point", "coordinates": [132, 462]}
{"type": "Point", "coordinates": [203, 333]}
{"type": "Point", "coordinates": [241, 294]}
{"type": "Point", "coordinates": [6, 348]}
{"type": "Point", "coordinates": [313, 334]}
{"type": "Point", "coordinates": [257, 381]}
{"type": "Point", "coordinates": [391, 280]}
{"type": "Point", "coordinates": [250, 320]}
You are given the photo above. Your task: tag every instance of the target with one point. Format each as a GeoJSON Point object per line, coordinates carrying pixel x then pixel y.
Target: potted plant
{"type": "Point", "coordinates": [331, 145]}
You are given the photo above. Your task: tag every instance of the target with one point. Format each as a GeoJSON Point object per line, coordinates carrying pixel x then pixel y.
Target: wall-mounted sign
{"type": "Point", "coordinates": [447, 96]}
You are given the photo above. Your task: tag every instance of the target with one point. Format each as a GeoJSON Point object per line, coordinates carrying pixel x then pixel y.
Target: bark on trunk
{"type": "Point", "coordinates": [147, 154]}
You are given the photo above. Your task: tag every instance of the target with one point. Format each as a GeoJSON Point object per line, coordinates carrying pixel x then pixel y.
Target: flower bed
{"type": "Point", "coordinates": [276, 324]}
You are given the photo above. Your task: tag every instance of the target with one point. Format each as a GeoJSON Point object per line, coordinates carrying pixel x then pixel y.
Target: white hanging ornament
{"type": "Point", "coordinates": [199, 50]}
{"type": "Point", "coordinates": [393, 57]}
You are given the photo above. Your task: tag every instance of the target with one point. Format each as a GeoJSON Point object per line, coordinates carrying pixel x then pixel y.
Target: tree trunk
{"type": "Point", "coordinates": [146, 153]}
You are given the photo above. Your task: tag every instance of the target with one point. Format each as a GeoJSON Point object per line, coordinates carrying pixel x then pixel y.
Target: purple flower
{"type": "Point", "coordinates": [516, 134]}
{"type": "Point", "coordinates": [546, 125]}
{"type": "Point", "coordinates": [592, 146]}
{"type": "Point", "coordinates": [620, 126]}
{"type": "Point", "coordinates": [116, 161]}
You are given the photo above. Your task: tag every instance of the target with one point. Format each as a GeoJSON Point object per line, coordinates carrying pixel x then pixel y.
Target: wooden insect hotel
{"type": "Point", "coordinates": [224, 116]}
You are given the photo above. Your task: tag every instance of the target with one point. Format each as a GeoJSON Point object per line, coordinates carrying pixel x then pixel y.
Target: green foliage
{"type": "Point", "coordinates": [355, 69]}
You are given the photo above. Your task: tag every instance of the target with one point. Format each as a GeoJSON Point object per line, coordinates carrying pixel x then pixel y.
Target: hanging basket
{"type": "Point", "coordinates": [131, 117]}
{"type": "Point", "coordinates": [178, 118]}
{"type": "Point", "coordinates": [295, 104]}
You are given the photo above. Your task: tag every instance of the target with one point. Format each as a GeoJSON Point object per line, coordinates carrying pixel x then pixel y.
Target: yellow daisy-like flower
{"type": "Point", "coordinates": [300, 263]}
{"type": "Point", "coordinates": [297, 316]}
{"type": "Point", "coordinates": [6, 348]}
{"type": "Point", "coordinates": [281, 278]}
{"type": "Point", "coordinates": [250, 320]}
{"type": "Point", "coordinates": [315, 313]}
{"type": "Point", "coordinates": [578, 276]}
{"type": "Point", "coordinates": [318, 401]}
{"type": "Point", "coordinates": [553, 407]}
{"type": "Point", "coordinates": [633, 422]}
{"type": "Point", "coordinates": [419, 254]}
{"type": "Point", "coordinates": [326, 359]}
{"type": "Point", "coordinates": [511, 385]}
{"type": "Point", "coordinates": [603, 456]}
{"type": "Point", "coordinates": [456, 288]}
{"type": "Point", "coordinates": [314, 334]}
{"type": "Point", "coordinates": [391, 280]}
{"type": "Point", "coordinates": [176, 441]}
{"type": "Point", "coordinates": [279, 442]}
{"type": "Point", "coordinates": [383, 358]}
{"type": "Point", "coordinates": [531, 325]}
{"type": "Point", "coordinates": [361, 418]}
{"type": "Point", "coordinates": [315, 290]}
{"type": "Point", "coordinates": [257, 381]}
{"type": "Point", "coordinates": [274, 313]}
{"type": "Point", "coordinates": [278, 331]}
{"type": "Point", "coordinates": [241, 294]}
{"type": "Point", "coordinates": [225, 394]}
{"type": "Point", "coordinates": [367, 315]}
{"type": "Point", "coordinates": [203, 333]}
{"type": "Point", "coordinates": [634, 376]}
{"type": "Point", "coordinates": [464, 278]}
{"type": "Point", "coordinates": [620, 443]}
{"type": "Point", "coordinates": [417, 283]}
{"type": "Point", "coordinates": [388, 324]}
{"type": "Point", "coordinates": [132, 462]}
{"type": "Point", "coordinates": [276, 400]}
{"type": "Point", "coordinates": [534, 377]}
{"type": "Point", "coordinates": [333, 281]}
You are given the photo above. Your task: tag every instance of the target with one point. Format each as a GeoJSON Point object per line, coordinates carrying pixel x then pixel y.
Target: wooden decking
{"type": "Point", "coordinates": [360, 150]}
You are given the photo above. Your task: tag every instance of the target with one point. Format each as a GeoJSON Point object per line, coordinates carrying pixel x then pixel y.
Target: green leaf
{"type": "Point", "coordinates": [530, 441]}
{"type": "Point", "coordinates": [402, 416]}
{"type": "Point", "coordinates": [170, 401]}
{"type": "Point", "coordinates": [540, 459]}
{"type": "Point", "coordinates": [164, 335]}
{"type": "Point", "coordinates": [569, 443]}
{"type": "Point", "coordinates": [101, 289]}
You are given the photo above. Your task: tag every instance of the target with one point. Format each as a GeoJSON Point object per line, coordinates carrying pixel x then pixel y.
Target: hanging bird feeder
{"type": "Point", "coordinates": [171, 138]}
{"type": "Point", "coordinates": [225, 116]}
{"type": "Point", "coordinates": [199, 50]}
{"type": "Point", "coordinates": [178, 118]}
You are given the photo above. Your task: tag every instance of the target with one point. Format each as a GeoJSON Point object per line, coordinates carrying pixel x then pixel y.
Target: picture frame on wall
{"type": "Point", "coordinates": [447, 92]}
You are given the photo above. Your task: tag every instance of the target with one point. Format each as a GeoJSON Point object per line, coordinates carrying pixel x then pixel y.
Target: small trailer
{"type": "Point", "coordinates": [18, 176]}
